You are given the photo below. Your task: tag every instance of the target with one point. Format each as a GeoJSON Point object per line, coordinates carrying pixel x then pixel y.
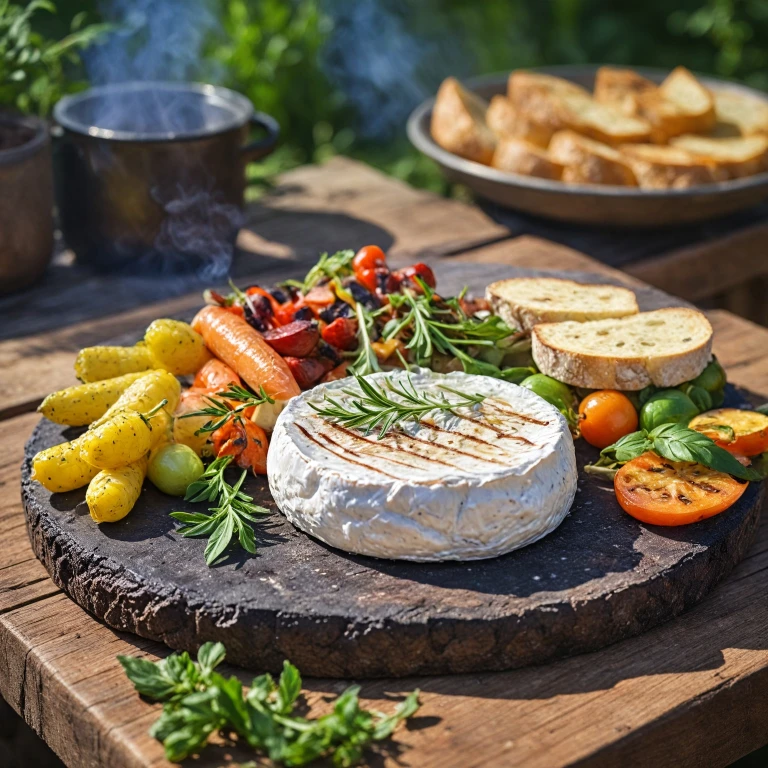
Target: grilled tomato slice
{"type": "Point", "coordinates": [744, 433]}
{"type": "Point", "coordinates": [661, 492]}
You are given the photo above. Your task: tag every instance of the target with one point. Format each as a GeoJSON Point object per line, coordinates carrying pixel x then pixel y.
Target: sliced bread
{"type": "Point", "coordinates": [525, 301]}
{"type": "Point", "coordinates": [739, 114]}
{"type": "Point", "coordinates": [736, 157]}
{"type": "Point", "coordinates": [694, 103]}
{"type": "Point", "coordinates": [658, 167]}
{"type": "Point", "coordinates": [519, 156]}
{"type": "Point", "coordinates": [590, 162]}
{"type": "Point", "coordinates": [458, 123]}
{"type": "Point", "coordinates": [507, 123]}
{"type": "Point", "coordinates": [665, 348]}
{"type": "Point", "coordinates": [621, 87]}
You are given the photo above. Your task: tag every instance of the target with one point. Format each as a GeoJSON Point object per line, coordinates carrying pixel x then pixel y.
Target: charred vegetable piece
{"type": "Point", "coordinates": [361, 294]}
{"type": "Point", "coordinates": [258, 311]}
{"type": "Point", "coordinates": [661, 492]}
{"type": "Point", "coordinates": [339, 372]}
{"type": "Point", "coordinates": [303, 313]}
{"type": "Point", "coordinates": [280, 296]}
{"type": "Point", "coordinates": [245, 441]}
{"type": "Point", "coordinates": [324, 349]}
{"type": "Point", "coordinates": [112, 494]}
{"type": "Point", "coordinates": [176, 347]}
{"type": "Point", "coordinates": [61, 468]}
{"type": "Point", "coordinates": [420, 270]}
{"type": "Point", "coordinates": [79, 406]}
{"type": "Point", "coordinates": [296, 339]}
{"type": "Point", "coordinates": [336, 310]}
{"type": "Point", "coordinates": [99, 363]}
{"type": "Point", "coordinates": [341, 333]}
{"type": "Point", "coordinates": [308, 370]}
{"type": "Point", "coordinates": [744, 433]}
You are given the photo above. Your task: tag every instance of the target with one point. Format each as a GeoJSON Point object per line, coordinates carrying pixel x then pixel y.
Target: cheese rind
{"type": "Point", "coordinates": [495, 478]}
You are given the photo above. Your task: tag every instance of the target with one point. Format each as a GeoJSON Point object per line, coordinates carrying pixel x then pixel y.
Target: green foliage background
{"type": "Point", "coordinates": [276, 52]}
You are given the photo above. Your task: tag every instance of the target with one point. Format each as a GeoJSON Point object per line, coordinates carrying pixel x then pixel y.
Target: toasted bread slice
{"type": "Point", "coordinates": [659, 167]}
{"type": "Point", "coordinates": [739, 114]}
{"type": "Point", "coordinates": [742, 156]}
{"type": "Point", "coordinates": [520, 156]}
{"type": "Point", "coordinates": [458, 123]}
{"type": "Point", "coordinates": [664, 348]}
{"type": "Point", "coordinates": [558, 104]}
{"type": "Point", "coordinates": [590, 162]}
{"type": "Point", "coordinates": [525, 301]}
{"type": "Point", "coordinates": [507, 123]}
{"type": "Point", "coordinates": [694, 104]}
{"type": "Point", "coordinates": [621, 87]}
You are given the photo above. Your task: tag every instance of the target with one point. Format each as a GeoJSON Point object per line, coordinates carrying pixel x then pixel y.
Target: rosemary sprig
{"type": "Point", "coordinates": [338, 264]}
{"type": "Point", "coordinates": [222, 411]}
{"type": "Point", "coordinates": [373, 406]}
{"type": "Point", "coordinates": [366, 361]}
{"type": "Point", "coordinates": [232, 512]}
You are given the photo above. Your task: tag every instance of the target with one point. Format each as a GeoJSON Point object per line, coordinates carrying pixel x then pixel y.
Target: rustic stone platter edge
{"type": "Point", "coordinates": [599, 578]}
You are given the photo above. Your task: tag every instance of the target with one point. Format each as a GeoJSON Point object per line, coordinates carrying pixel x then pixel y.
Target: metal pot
{"type": "Point", "coordinates": [26, 204]}
{"type": "Point", "coordinates": [152, 175]}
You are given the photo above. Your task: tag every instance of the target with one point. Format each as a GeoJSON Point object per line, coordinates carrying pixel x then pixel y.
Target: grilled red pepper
{"type": "Point", "coordinates": [341, 333]}
{"type": "Point", "coordinates": [308, 370]}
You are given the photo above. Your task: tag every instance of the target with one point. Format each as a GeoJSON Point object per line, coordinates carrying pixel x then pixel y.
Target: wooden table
{"type": "Point", "coordinates": [691, 693]}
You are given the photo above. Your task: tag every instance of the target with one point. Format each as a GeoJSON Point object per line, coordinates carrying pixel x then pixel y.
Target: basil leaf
{"type": "Point", "coordinates": [289, 688]}
{"type": "Point", "coordinates": [210, 656]}
{"type": "Point", "coordinates": [628, 447]}
{"type": "Point", "coordinates": [148, 678]}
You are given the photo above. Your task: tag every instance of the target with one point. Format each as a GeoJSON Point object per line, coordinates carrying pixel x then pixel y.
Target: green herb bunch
{"type": "Point", "coordinates": [232, 511]}
{"type": "Point", "coordinates": [676, 443]}
{"type": "Point", "coordinates": [199, 702]}
{"type": "Point", "coordinates": [336, 265]}
{"type": "Point", "coordinates": [34, 70]}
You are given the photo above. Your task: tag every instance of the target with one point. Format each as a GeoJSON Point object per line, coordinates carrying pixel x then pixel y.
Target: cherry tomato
{"type": "Point", "coordinates": [606, 416]}
{"type": "Point", "coordinates": [368, 278]}
{"type": "Point", "coordinates": [341, 333]}
{"type": "Point", "coordinates": [741, 432]}
{"type": "Point", "coordinates": [368, 257]}
{"type": "Point", "coordinates": [417, 270]}
{"type": "Point", "coordinates": [661, 492]}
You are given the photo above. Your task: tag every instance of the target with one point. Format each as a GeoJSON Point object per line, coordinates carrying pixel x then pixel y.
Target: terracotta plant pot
{"type": "Point", "coordinates": [26, 201]}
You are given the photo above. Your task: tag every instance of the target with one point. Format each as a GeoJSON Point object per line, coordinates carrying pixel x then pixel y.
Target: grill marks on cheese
{"type": "Point", "coordinates": [472, 441]}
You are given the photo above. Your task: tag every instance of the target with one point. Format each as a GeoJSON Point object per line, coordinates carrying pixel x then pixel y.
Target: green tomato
{"type": "Point", "coordinates": [712, 378]}
{"type": "Point", "coordinates": [553, 391]}
{"type": "Point", "coordinates": [701, 398]}
{"type": "Point", "coordinates": [173, 467]}
{"type": "Point", "coordinates": [669, 406]}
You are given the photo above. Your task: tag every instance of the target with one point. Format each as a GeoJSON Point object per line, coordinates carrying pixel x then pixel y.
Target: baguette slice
{"type": "Point", "coordinates": [558, 104]}
{"type": "Point", "coordinates": [525, 301]}
{"type": "Point", "coordinates": [507, 123]}
{"type": "Point", "coordinates": [737, 157]}
{"type": "Point", "coordinates": [739, 114]}
{"type": "Point", "coordinates": [694, 103]}
{"type": "Point", "coordinates": [590, 162]}
{"type": "Point", "coordinates": [621, 87]}
{"type": "Point", "coordinates": [519, 156]}
{"type": "Point", "coordinates": [658, 167]}
{"type": "Point", "coordinates": [458, 123]}
{"type": "Point", "coordinates": [665, 348]}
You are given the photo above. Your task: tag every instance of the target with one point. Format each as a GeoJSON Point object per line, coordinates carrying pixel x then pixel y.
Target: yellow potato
{"type": "Point", "coordinates": [120, 440]}
{"type": "Point", "coordinates": [79, 406]}
{"type": "Point", "coordinates": [176, 346]}
{"type": "Point", "coordinates": [162, 428]}
{"type": "Point", "coordinates": [98, 363]}
{"type": "Point", "coordinates": [145, 393]}
{"type": "Point", "coordinates": [112, 493]}
{"type": "Point", "coordinates": [61, 468]}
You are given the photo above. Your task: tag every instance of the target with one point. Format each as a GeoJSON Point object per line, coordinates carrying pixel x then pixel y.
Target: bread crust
{"type": "Point", "coordinates": [508, 123]}
{"type": "Point", "coordinates": [589, 161]}
{"type": "Point", "coordinates": [519, 156]}
{"type": "Point", "coordinates": [595, 371]}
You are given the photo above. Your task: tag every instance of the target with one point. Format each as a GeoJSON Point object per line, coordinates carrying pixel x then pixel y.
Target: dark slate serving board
{"type": "Point", "coordinates": [600, 577]}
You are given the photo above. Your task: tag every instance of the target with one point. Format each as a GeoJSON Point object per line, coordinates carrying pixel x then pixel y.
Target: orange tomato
{"type": "Point", "coordinates": [744, 433]}
{"type": "Point", "coordinates": [606, 416]}
{"type": "Point", "coordinates": [661, 492]}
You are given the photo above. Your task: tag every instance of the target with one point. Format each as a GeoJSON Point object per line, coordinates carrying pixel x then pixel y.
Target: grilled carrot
{"type": "Point", "coordinates": [215, 376]}
{"type": "Point", "coordinates": [244, 350]}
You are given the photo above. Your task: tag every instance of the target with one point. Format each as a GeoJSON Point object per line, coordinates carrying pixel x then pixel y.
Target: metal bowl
{"type": "Point", "coordinates": [589, 203]}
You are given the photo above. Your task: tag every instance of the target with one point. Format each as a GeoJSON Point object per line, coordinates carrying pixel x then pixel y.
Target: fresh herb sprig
{"type": "Point", "coordinates": [338, 264]}
{"type": "Point", "coordinates": [366, 361]}
{"type": "Point", "coordinates": [428, 322]}
{"type": "Point", "coordinates": [374, 407]}
{"type": "Point", "coordinates": [198, 702]}
{"type": "Point", "coordinates": [222, 411]}
{"type": "Point", "coordinates": [232, 512]}
{"type": "Point", "coordinates": [676, 443]}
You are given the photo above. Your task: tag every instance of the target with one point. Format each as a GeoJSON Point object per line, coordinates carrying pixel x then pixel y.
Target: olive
{"type": "Point", "coordinates": [668, 406]}
{"type": "Point", "coordinates": [173, 467]}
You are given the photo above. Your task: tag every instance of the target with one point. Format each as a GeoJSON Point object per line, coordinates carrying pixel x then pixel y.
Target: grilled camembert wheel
{"type": "Point", "coordinates": [468, 485]}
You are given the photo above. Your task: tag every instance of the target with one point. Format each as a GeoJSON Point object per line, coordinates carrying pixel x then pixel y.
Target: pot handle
{"type": "Point", "coordinates": [255, 150]}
